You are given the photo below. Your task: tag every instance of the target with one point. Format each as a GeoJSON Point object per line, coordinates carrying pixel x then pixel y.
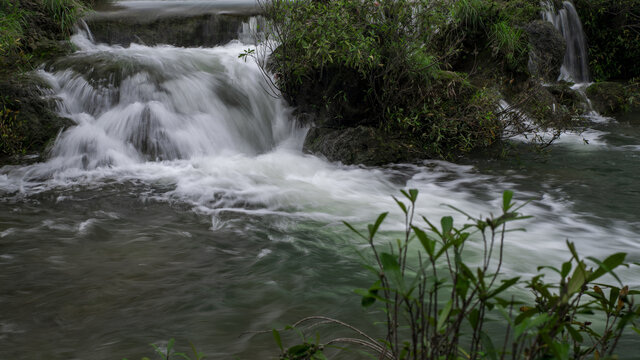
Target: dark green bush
{"type": "Point", "coordinates": [612, 28]}
{"type": "Point", "coordinates": [387, 63]}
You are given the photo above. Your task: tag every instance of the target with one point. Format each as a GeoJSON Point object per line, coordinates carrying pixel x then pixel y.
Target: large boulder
{"type": "Point", "coordinates": [540, 104]}
{"type": "Point", "coordinates": [572, 99]}
{"type": "Point", "coordinates": [608, 98]}
{"type": "Point", "coordinates": [547, 50]}
{"type": "Point", "coordinates": [361, 145]}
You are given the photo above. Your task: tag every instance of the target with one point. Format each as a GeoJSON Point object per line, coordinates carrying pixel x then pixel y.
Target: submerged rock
{"type": "Point", "coordinates": [547, 50]}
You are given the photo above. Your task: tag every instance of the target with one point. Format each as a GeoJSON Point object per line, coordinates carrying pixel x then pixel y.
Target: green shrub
{"type": "Point", "coordinates": [436, 302]}
{"type": "Point", "coordinates": [383, 63]}
{"type": "Point", "coordinates": [508, 41]}
{"type": "Point", "coordinates": [612, 28]}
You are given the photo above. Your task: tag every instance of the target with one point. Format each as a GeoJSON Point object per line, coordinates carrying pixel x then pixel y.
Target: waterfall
{"type": "Point", "coordinates": [149, 103]}
{"type": "Point", "coordinates": [576, 63]}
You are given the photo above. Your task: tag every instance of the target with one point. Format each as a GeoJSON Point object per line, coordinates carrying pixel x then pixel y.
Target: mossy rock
{"type": "Point", "coordinates": [608, 98]}
{"type": "Point", "coordinates": [362, 145]}
{"type": "Point", "coordinates": [540, 104]}
{"type": "Point", "coordinates": [200, 30]}
{"type": "Point", "coordinates": [32, 122]}
{"type": "Point", "coordinates": [547, 50]}
{"type": "Point", "coordinates": [566, 96]}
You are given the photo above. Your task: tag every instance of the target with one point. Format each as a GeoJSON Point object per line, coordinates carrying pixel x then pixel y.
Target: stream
{"type": "Point", "coordinates": [181, 205]}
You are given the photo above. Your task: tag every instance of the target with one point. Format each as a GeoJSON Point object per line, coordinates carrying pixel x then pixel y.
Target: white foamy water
{"type": "Point", "coordinates": [199, 122]}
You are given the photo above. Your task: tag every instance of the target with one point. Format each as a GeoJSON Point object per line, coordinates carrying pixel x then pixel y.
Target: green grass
{"type": "Point", "coordinates": [12, 24]}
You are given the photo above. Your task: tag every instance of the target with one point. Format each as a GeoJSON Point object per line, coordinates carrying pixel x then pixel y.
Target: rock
{"type": "Point", "coordinates": [538, 103]}
{"type": "Point", "coordinates": [361, 145]}
{"type": "Point", "coordinates": [566, 96]}
{"type": "Point", "coordinates": [196, 30]}
{"type": "Point", "coordinates": [608, 98]}
{"type": "Point", "coordinates": [35, 123]}
{"type": "Point", "coordinates": [547, 50]}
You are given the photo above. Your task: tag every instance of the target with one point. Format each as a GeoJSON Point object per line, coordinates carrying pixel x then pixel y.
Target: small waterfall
{"type": "Point", "coordinates": [143, 103]}
{"type": "Point", "coordinates": [252, 31]}
{"type": "Point", "coordinates": [576, 63]}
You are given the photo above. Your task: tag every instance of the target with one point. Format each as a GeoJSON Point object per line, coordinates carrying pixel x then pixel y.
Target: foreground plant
{"type": "Point", "coordinates": [168, 353]}
{"type": "Point", "coordinates": [436, 302]}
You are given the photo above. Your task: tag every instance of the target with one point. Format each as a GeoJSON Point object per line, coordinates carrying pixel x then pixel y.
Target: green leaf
{"type": "Point", "coordinates": [401, 205]}
{"type": "Point", "coordinates": [199, 355]}
{"type": "Point", "coordinates": [566, 268]}
{"type": "Point", "coordinates": [572, 249]}
{"type": "Point", "coordinates": [575, 335]}
{"type": "Point", "coordinates": [529, 323]}
{"type": "Point", "coordinates": [414, 194]}
{"type": "Point", "coordinates": [506, 200]}
{"type": "Point", "coordinates": [473, 317]}
{"type": "Point", "coordinates": [159, 351]}
{"type": "Point", "coordinates": [577, 281]}
{"type": "Point", "coordinates": [529, 312]}
{"type": "Point", "coordinates": [505, 285]}
{"type": "Point", "coordinates": [428, 244]}
{"type": "Point", "coordinates": [276, 337]}
{"type": "Point", "coordinates": [488, 345]}
{"type": "Point", "coordinates": [444, 248]}
{"type": "Point", "coordinates": [354, 230]}
{"type": "Point", "coordinates": [447, 224]}
{"type": "Point", "coordinates": [608, 265]}
{"type": "Point", "coordinates": [444, 315]}
{"type": "Point", "coordinates": [367, 301]}
{"type": "Point", "coordinates": [391, 268]}
{"type": "Point", "coordinates": [374, 228]}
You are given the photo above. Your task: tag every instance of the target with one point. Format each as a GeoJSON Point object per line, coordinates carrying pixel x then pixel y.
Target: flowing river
{"type": "Point", "coordinates": [181, 205]}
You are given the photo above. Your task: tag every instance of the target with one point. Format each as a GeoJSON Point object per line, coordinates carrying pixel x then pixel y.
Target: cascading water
{"type": "Point", "coordinates": [141, 103]}
{"type": "Point", "coordinates": [576, 64]}
{"type": "Point", "coordinates": [181, 205]}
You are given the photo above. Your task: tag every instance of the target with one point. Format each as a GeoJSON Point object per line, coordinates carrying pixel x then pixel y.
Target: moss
{"type": "Point", "coordinates": [608, 98]}
{"type": "Point", "coordinates": [566, 96]}
{"type": "Point", "coordinates": [28, 117]}
{"type": "Point", "coordinates": [38, 31]}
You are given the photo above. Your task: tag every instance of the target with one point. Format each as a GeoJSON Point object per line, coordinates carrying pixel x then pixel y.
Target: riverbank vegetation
{"type": "Point", "coordinates": [437, 301]}
{"type": "Point", "coordinates": [612, 28]}
{"type": "Point", "coordinates": [433, 71]}
{"type": "Point", "coordinates": [31, 32]}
